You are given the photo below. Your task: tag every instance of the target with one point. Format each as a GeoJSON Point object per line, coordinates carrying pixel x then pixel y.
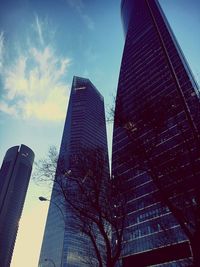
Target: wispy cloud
{"type": "Point", "coordinates": [34, 84]}
{"type": "Point", "coordinates": [91, 54]}
{"type": "Point", "coordinates": [7, 109]}
{"type": "Point", "coordinates": [79, 6]}
{"type": "Point", "coordinates": [88, 21]}
{"type": "Point", "coordinates": [38, 24]}
{"type": "Point", "coordinates": [1, 48]}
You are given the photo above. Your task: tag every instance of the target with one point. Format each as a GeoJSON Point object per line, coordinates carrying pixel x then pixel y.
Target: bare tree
{"type": "Point", "coordinates": [92, 199]}
{"type": "Point", "coordinates": [148, 130]}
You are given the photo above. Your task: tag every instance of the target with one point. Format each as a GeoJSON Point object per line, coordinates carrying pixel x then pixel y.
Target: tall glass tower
{"type": "Point", "coordinates": [14, 179]}
{"type": "Point", "coordinates": [155, 121]}
{"type": "Point", "coordinates": [84, 127]}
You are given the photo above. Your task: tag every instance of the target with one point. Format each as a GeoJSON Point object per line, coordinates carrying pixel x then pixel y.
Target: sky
{"type": "Point", "coordinates": [42, 45]}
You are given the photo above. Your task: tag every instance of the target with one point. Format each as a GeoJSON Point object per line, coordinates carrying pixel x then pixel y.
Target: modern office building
{"type": "Point", "coordinates": [14, 179]}
{"type": "Point", "coordinates": [84, 127]}
{"type": "Point", "coordinates": [156, 119]}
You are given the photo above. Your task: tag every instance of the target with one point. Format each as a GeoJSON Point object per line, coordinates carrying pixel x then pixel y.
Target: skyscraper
{"type": "Point", "coordinates": [156, 121]}
{"type": "Point", "coordinates": [14, 179]}
{"type": "Point", "coordinates": [84, 127]}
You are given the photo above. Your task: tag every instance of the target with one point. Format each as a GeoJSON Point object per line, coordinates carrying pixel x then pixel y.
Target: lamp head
{"type": "Point", "coordinates": [43, 198]}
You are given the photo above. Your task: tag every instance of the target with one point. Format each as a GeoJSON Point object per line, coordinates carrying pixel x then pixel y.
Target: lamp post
{"type": "Point", "coordinates": [41, 198]}
{"type": "Point", "coordinates": [51, 261]}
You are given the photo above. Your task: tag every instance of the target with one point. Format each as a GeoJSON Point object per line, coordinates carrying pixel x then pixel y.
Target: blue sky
{"type": "Point", "coordinates": [42, 45]}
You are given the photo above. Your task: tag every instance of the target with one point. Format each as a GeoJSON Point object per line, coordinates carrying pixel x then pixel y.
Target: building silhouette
{"type": "Point", "coordinates": [156, 118]}
{"type": "Point", "coordinates": [84, 127]}
{"type": "Point", "coordinates": [14, 179]}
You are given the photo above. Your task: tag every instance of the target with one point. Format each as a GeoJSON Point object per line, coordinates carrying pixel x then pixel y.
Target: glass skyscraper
{"type": "Point", "coordinates": [84, 127]}
{"type": "Point", "coordinates": [14, 179]}
{"type": "Point", "coordinates": [155, 119]}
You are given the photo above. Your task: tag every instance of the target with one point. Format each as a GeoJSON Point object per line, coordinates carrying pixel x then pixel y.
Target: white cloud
{"type": "Point", "coordinates": [5, 108]}
{"type": "Point", "coordinates": [91, 54]}
{"type": "Point", "coordinates": [14, 79]}
{"type": "Point", "coordinates": [88, 21]}
{"type": "Point", "coordinates": [1, 48]}
{"type": "Point", "coordinates": [78, 5]}
{"type": "Point", "coordinates": [38, 25]}
{"type": "Point", "coordinates": [34, 84]}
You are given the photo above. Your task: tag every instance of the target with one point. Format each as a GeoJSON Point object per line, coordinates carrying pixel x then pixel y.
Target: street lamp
{"type": "Point", "coordinates": [51, 261]}
{"type": "Point", "coordinates": [41, 198]}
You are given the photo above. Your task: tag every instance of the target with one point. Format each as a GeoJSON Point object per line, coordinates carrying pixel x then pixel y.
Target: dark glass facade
{"type": "Point", "coordinates": [84, 127]}
{"type": "Point", "coordinates": [14, 179]}
{"type": "Point", "coordinates": [155, 78]}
